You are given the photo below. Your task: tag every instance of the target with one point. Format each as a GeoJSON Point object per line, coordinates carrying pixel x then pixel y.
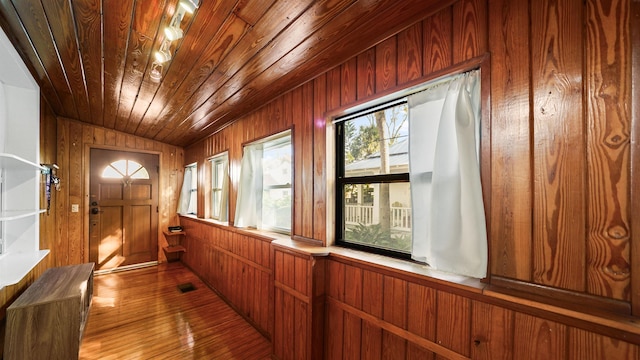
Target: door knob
{"type": "Point", "coordinates": [95, 211]}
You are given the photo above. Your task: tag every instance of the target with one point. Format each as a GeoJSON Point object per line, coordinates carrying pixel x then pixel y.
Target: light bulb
{"type": "Point", "coordinates": [173, 33]}
{"type": "Point", "coordinates": [190, 5]}
{"type": "Point", "coordinates": [164, 54]}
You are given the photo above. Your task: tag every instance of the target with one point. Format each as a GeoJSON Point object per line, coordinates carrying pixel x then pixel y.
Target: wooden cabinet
{"type": "Point", "coordinates": [47, 321]}
{"type": "Point", "coordinates": [174, 247]}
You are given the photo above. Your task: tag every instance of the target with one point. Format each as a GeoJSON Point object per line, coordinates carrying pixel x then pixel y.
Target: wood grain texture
{"type": "Point", "coordinates": [320, 214]}
{"type": "Point", "coordinates": [366, 74]}
{"type": "Point", "coordinates": [469, 29]}
{"type": "Point", "coordinates": [511, 146]}
{"type": "Point", "coordinates": [410, 54]}
{"type": "Point", "coordinates": [349, 82]}
{"type": "Point", "coordinates": [491, 329]}
{"type": "Point", "coordinates": [49, 318]}
{"type": "Point", "coordinates": [74, 138]}
{"type": "Point", "coordinates": [63, 31]}
{"type": "Point", "coordinates": [536, 338]}
{"type": "Point", "coordinates": [453, 323]}
{"type": "Point", "coordinates": [608, 180]}
{"type": "Point", "coordinates": [634, 35]}
{"type": "Point", "coordinates": [587, 345]}
{"type": "Point", "coordinates": [559, 141]}
{"type": "Point", "coordinates": [222, 259]}
{"type": "Point", "coordinates": [33, 21]}
{"type": "Point", "coordinates": [438, 41]}
{"type": "Point", "coordinates": [386, 64]}
{"type": "Point", "coordinates": [196, 324]}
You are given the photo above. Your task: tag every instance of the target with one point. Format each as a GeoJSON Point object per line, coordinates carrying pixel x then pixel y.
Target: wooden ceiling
{"type": "Point", "coordinates": [92, 58]}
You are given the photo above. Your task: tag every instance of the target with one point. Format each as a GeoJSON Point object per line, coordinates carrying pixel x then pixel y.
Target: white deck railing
{"type": "Point", "coordinates": [365, 214]}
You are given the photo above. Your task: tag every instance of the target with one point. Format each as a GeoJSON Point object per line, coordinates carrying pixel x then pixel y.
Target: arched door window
{"type": "Point", "coordinates": [125, 170]}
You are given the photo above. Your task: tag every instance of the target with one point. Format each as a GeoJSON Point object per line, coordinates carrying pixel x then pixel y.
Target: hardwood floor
{"type": "Point", "coordinates": [141, 314]}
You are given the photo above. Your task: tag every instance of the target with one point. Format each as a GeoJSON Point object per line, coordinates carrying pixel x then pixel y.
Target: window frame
{"type": "Point", "coordinates": [192, 190]}
{"type": "Point", "coordinates": [341, 179]}
{"type": "Point", "coordinates": [215, 160]}
{"type": "Point", "coordinates": [276, 141]}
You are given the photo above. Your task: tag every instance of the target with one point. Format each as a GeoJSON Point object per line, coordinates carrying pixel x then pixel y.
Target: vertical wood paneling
{"type": "Point", "coordinates": [395, 301]}
{"type": "Point", "coordinates": [300, 341]}
{"type": "Point", "coordinates": [298, 203]}
{"type": "Point", "coordinates": [334, 331]}
{"type": "Point", "coordinates": [366, 67]}
{"type": "Point", "coordinates": [469, 29]}
{"type": "Point", "coordinates": [393, 346]}
{"type": "Point", "coordinates": [353, 286]}
{"type": "Point", "coordinates": [372, 285]}
{"type": "Point", "coordinates": [511, 145]}
{"type": "Point", "coordinates": [491, 332]}
{"type": "Point", "coordinates": [635, 156]}
{"type": "Point", "coordinates": [536, 338]}
{"type": "Point", "coordinates": [587, 345]}
{"type": "Point", "coordinates": [386, 64]}
{"type": "Point", "coordinates": [336, 280]}
{"type": "Point", "coordinates": [421, 311]}
{"type": "Point", "coordinates": [608, 129]}
{"type": "Point", "coordinates": [410, 54]}
{"type": "Point", "coordinates": [278, 333]}
{"type": "Point", "coordinates": [288, 323]}
{"type": "Point", "coordinates": [62, 198]}
{"type": "Point", "coordinates": [348, 82]}
{"type": "Point", "coordinates": [73, 138]}
{"type": "Point", "coordinates": [352, 337]}
{"type": "Point", "coordinates": [453, 322]}
{"type": "Point", "coordinates": [438, 41]}
{"type": "Point", "coordinates": [371, 341]}
{"type": "Point", "coordinates": [75, 181]}
{"type": "Point", "coordinates": [320, 159]}
{"type": "Point", "coordinates": [334, 87]}
{"type": "Point", "coordinates": [559, 165]}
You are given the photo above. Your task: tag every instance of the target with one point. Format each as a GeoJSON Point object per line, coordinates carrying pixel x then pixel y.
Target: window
{"type": "Point", "coordinates": [219, 187]}
{"type": "Point", "coordinates": [125, 169]}
{"type": "Point", "coordinates": [188, 203]}
{"type": "Point", "coordinates": [264, 194]}
{"type": "Point", "coordinates": [373, 180]}
{"type": "Point", "coordinates": [408, 177]}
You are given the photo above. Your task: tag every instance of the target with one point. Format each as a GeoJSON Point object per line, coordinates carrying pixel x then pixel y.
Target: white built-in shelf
{"type": "Point", "coordinates": [15, 267]}
{"type": "Point", "coordinates": [19, 214]}
{"type": "Point", "coordinates": [13, 162]}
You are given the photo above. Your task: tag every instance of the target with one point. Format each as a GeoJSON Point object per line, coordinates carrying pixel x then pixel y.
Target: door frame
{"type": "Point", "coordinates": [87, 196]}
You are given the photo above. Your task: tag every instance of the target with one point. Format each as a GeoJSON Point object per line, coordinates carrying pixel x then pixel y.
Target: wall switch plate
{"type": "Point", "coordinates": [75, 207]}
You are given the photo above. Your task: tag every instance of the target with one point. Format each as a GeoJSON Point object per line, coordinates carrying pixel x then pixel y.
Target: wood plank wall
{"type": "Point", "coordinates": [559, 132]}
{"type": "Point", "coordinates": [237, 265]}
{"type": "Point", "coordinates": [558, 170]}
{"type": "Point", "coordinates": [75, 139]}
{"type": "Point", "coordinates": [376, 314]}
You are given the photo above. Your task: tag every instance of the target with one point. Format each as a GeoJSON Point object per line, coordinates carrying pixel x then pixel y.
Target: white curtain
{"type": "Point", "coordinates": [449, 229]}
{"type": "Point", "coordinates": [249, 202]}
{"type": "Point", "coordinates": [185, 192]}
{"type": "Point", "coordinates": [3, 117]}
{"type": "Point", "coordinates": [224, 196]}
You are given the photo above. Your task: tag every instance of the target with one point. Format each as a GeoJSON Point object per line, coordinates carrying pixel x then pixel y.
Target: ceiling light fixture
{"type": "Point", "coordinates": [156, 71]}
{"type": "Point", "coordinates": [172, 32]}
{"type": "Point", "coordinates": [164, 54]}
